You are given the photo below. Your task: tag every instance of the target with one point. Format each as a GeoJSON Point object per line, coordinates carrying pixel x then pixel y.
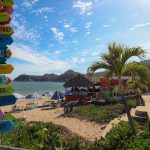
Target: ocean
{"type": "Point", "coordinates": [26, 88]}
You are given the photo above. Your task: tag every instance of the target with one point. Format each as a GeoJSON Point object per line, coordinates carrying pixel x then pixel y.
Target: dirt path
{"type": "Point", "coordinates": [85, 129]}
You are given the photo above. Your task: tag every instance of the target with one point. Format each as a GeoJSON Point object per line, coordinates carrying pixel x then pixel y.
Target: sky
{"type": "Point", "coordinates": [52, 36]}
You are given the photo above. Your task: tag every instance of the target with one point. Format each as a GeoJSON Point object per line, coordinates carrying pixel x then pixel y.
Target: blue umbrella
{"type": "Point", "coordinates": [57, 95]}
{"type": "Point", "coordinates": [33, 96]}
{"type": "Point", "coordinates": [71, 93]}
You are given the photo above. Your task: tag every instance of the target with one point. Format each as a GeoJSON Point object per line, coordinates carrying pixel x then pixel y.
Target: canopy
{"type": "Point", "coordinates": [57, 95]}
{"type": "Point", "coordinates": [18, 96]}
{"type": "Point", "coordinates": [49, 93]}
{"type": "Point", "coordinates": [78, 81]}
{"type": "Point", "coordinates": [33, 96]}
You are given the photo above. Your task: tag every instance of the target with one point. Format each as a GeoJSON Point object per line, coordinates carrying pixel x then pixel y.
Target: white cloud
{"type": "Point", "coordinates": [139, 26]}
{"type": "Point", "coordinates": [66, 25]}
{"type": "Point", "coordinates": [99, 39]}
{"type": "Point", "coordinates": [75, 42]}
{"type": "Point", "coordinates": [70, 28]}
{"type": "Point", "coordinates": [57, 52]}
{"type": "Point", "coordinates": [87, 33]}
{"type": "Point", "coordinates": [88, 25]}
{"type": "Point", "coordinates": [43, 10]}
{"type": "Point", "coordinates": [106, 25]}
{"type": "Point", "coordinates": [113, 20]}
{"type": "Point", "coordinates": [73, 29]}
{"type": "Point", "coordinates": [36, 62]}
{"type": "Point", "coordinates": [84, 7]}
{"type": "Point", "coordinates": [58, 35]}
{"type": "Point", "coordinates": [29, 3]}
{"type": "Point", "coordinates": [22, 31]}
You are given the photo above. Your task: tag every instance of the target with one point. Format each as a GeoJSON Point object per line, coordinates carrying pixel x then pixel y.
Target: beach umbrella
{"type": "Point", "coordinates": [33, 96]}
{"type": "Point", "coordinates": [19, 96]}
{"type": "Point", "coordinates": [71, 93]}
{"type": "Point", "coordinates": [49, 93]}
{"type": "Point", "coordinates": [57, 95]}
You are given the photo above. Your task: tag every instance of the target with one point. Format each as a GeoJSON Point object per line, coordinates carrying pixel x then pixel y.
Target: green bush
{"type": "Point", "coordinates": [120, 138]}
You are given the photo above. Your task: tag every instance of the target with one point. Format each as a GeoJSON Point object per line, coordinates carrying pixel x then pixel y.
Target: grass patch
{"type": "Point", "coordinates": [100, 114]}
{"type": "Point", "coordinates": [8, 116]}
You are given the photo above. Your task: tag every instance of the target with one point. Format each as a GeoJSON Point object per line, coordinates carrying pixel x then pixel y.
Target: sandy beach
{"type": "Point", "coordinates": [86, 129]}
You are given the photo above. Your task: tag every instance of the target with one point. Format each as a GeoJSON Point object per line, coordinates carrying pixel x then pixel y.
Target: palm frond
{"type": "Point", "coordinates": [133, 52]}
{"type": "Point", "coordinates": [97, 65]}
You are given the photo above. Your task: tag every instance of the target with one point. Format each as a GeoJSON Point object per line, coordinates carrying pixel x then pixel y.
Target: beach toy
{"type": "Point", "coordinates": [3, 80]}
{"type": "Point", "coordinates": [7, 100]}
{"type": "Point", "coordinates": [6, 30]}
{"type": "Point", "coordinates": [6, 90]}
{"type": "Point", "coordinates": [6, 126]}
{"type": "Point", "coordinates": [1, 115]}
{"type": "Point", "coordinates": [8, 3]}
{"type": "Point", "coordinates": [6, 68]}
{"type": "Point", "coordinates": [6, 22]}
{"type": "Point", "coordinates": [4, 16]}
{"type": "Point", "coordinates": [5, 40]}
{"type": "Point", "coordinates": [9, 10]}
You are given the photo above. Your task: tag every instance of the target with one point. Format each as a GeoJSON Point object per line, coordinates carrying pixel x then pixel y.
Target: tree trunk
{"type": "Point", "coordinates": [133, 130]}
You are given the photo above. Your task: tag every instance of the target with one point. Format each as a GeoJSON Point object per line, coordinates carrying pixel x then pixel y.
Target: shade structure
{"type": "Point", "coordinates": [49, 93]}
{"type": "Point", "coordinates": [71, 93]}
{"type": "Point", "coordinates": [78, 81]}
{"type": "Point", "coordinates": [57, 95]}
{"type": "Point", "coordinates": [19, 96]}
{"type": "Point", "coordinates": [33, 96]}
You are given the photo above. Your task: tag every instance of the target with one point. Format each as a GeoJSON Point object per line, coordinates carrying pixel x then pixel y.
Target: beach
{"type": "Point", "coordinates": [86, 129]}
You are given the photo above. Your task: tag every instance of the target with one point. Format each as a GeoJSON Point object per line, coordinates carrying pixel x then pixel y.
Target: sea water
{"type": "Point", "coordinates": [26, 88]}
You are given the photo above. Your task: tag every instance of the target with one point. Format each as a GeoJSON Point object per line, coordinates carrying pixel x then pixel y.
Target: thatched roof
{"type": "Point", "coordinates": [78, 81]}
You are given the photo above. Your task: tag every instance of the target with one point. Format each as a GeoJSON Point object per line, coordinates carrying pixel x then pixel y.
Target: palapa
{"type": "Point", "coordinates": [78, 81]}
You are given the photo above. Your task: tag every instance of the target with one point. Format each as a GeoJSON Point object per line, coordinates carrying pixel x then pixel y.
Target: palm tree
{"type": "Point", "coordinates": [118, 62]}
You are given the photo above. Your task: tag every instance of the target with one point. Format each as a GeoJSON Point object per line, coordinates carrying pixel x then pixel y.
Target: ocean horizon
{"type": "Point", "coordinates": [26, 88]}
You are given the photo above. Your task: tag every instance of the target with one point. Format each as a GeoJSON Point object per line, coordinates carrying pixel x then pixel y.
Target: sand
{"type": "Point", "coordinates": [86, 129]}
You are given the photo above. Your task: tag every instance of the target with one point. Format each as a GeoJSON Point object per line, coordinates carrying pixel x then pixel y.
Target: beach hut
{"type": "Point", "coordinates": [33, 96]}
{"type": "Point", "coordinates": [78, 81]}
{"type": "Point", "coordinates": [57, 95]}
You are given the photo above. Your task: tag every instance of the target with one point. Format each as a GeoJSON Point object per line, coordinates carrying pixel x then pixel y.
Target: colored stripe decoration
{"type": "Point", "coordinates": [6, 30]}
{"type": "Point", "coordinates": [8, 3]}
{"type": "Point", "coordinates": [4, 16]}
{"type": "Point", "coordinates": [6, 91]}
{"type": "Point", "coordinates": [7, 100]}
{"type": "Point", "coordinates": [6, 126]}
{"type": "Point", "coordinates": [1, 115]}
{"type": "Point", "coordinates": [6, 68]}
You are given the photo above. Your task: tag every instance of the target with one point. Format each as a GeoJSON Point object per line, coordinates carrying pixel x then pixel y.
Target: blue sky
{"type": "Point", "coordinates": [52, 36]}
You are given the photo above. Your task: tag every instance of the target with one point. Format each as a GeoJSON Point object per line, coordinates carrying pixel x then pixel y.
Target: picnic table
{"type": "Point", "coordinates": [47, 103]}
{"type": "Point", "coordinates": [17, 108]}
{"type": "Point", "coordinates": [30, 106]}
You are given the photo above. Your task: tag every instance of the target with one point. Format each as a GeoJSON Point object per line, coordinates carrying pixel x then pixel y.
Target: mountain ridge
{"type": "Point", "coordinates": [63, 77]}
